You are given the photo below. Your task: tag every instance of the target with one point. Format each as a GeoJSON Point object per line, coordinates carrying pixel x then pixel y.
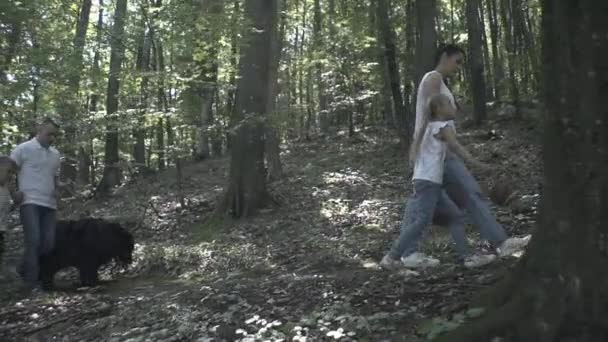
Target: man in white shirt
{"type": "Point", "coordinates": [38, 164]}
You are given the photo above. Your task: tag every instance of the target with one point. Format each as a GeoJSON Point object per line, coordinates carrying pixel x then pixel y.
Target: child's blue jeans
{"type": "Point", "coordinates": [427, 200]}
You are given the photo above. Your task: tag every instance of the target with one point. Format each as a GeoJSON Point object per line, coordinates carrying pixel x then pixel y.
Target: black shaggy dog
{"type": "Point", "coordinates": [86, 244]}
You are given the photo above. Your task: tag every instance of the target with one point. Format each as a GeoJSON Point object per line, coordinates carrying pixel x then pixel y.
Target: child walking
{"type": "Point", "coordinates": [428, 153]}
{"type": "Point", "coordinates": [7, 169]}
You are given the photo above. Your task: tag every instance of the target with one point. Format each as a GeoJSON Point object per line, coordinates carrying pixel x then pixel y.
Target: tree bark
{"type": "Point", "coordinates": [72, 106]}
{"type": "Point", "coordinates": [161, 103]}
{"type": "Point", "coordinates": [318, 54]}
{"type": "Point", "coordinates": [386, 94]}
{"type": "Point", "coordinates": [272, 140]}
{"type": "Point", "coordinates": [507, 24]}
{"type": "Point", "coordinates": [559, 290]}
{"type": "Point", "coordinates": [426, 14]}
{"type": "Point", "coordinates": [86, 172]}
{"type": "Point", "coordinates": [497, 64]}
{"type": "Point", "coordinates": [142, 67]}
{"type": "Point", "coordinates": [476, 61]}
{"type": "Point", "coordinates": [234, 54]}
{"type": "Point", "coordinates": [387, 36]}
{"type": "Point", "coordinates": [485, 42]}
{"type": "Point", "coordinates": [112, 172]}
{"type": "Point", "coordinates": [247, 191]}
{"type": "Point", "coordinates": [207, 78]}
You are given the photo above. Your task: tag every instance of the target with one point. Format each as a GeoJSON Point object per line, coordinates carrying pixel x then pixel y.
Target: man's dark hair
{"type": "Point", "coordinates": [49, 121]}
{"type": "Point", "coordinates": [449, 50]}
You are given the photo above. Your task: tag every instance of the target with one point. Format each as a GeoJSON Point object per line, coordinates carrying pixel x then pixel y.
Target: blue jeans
{"type": "Point", "coordinates": [464, 190]}
{"type": "Point", "coordinates": [429, 198]}
{"type": "Point", "coordinates": [39, 233]}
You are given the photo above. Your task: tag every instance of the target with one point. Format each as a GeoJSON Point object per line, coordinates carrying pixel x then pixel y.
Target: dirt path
{"type": "Point", "coordinates": [302, 271]}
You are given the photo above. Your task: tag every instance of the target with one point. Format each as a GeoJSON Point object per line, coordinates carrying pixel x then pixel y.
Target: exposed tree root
{"type": "Point", "coordinates": [540, 309]}
{"type": "Point", "coordinates": [488, 326]}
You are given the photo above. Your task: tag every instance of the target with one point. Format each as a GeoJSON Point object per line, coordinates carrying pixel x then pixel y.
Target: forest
{"type": "Point", "coordinates": [257, 151]}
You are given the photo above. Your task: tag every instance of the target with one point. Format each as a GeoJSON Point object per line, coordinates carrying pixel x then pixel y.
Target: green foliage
{"type": "Point", "coordinates": [329, 59]}
{"type": "Point", "coordinates": [434, 327]}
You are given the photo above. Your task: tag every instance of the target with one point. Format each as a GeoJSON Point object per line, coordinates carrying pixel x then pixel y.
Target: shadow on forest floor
{"type": "Point", "coordinates": [304, 269]}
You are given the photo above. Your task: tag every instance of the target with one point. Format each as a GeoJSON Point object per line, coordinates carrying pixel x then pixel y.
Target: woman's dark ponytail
{"type": "Point", "coordinates": [449, 50]}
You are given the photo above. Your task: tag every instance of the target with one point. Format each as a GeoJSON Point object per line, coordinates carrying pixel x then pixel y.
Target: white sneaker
{"type": "Point", "coordinates": [512, 245]}
{"type": "Point", "coordinates": [478, 260]}
{"type": "Point", "coordinates": [419, 260]}
{"type": "Point", "coordinates": [390, 264]}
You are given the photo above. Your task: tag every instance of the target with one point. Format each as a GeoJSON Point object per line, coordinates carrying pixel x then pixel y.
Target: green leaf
{"type": "Point", "coordinates": [459, 317]}
{"type": "Point", "coordinates": [475, 312]}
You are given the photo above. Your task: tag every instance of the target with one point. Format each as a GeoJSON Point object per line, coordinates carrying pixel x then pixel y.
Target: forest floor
{"type": "Point", "coordinates": [302, 271]}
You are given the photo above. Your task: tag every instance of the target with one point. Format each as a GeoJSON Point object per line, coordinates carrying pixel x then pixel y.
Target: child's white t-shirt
{"type": "Point", "coordinates": [429, 163]}
{"type": "Point", "coordinates": [5, 206]}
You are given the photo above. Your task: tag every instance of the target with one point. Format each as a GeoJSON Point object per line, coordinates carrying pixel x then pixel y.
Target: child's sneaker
{"type": "Point", "coordinates": [419, 260]}
{"type": "Point", "coordinates": [512, 245]}
{"type": "Point", "coordinates": [478, 260]}
{"type": "Point", "coordinates": [390, 264]}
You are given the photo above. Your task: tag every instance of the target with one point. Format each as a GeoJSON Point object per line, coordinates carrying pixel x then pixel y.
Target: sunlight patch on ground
{"type": "Point", "coordinates": [347, 176]}
{"type": "Point", "coordinates": [335, 207]}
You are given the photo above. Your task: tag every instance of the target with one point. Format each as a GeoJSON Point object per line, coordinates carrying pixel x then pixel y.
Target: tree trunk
{"type": "Point", "coordinates": [207, 78]}
{"type": "Point", "coordinates": [497, 64]}
{"type": "Point", "coordinates": [387, 38]}
{"type": "Point", "coordinates": [112, 173]}
{"type": "Point", "coordinates": [300, 72]}
{"type": "Point", "coordinates": [272, 140]}
{"type": "Point", "coordinates": [234, 54]}
{"type": "Point", "coordinates": [142, 67]}
{"type": "Point", "coordinates": [161, 104]}
{"type": "Point", "coordinates": [559, 290]}
{"type": "Point", "coordinates": [86, 171]}
{"type": "Point", "coordinates": [160, 143]}
{"type": "Point", "coordinates": [71, 106]}
{"type": "Point", "coordinates": [507, 24]}
{"type": "Point", "coordinates": [409, 73]}
{"type": "Point", "coordinates": [485, 42]}
{"type": "Point", "coordinates": [527, 46]}
{"type": "Point", "coordinates": [476, 61]}
{"type": "Point", "coordinates": [426, 13]}
{"type": "Point", "coordinates": [247, 187]}
{"type": "Point", "coordinates": [318, 53]}
{"type": "Point", "coordinates": [386, 93]}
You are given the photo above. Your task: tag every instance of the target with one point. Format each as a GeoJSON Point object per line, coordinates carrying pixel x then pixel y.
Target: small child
{"type": "Point", "coordinates": [428, 153]}
{"type": "Point", "coordinates": [7, 169]}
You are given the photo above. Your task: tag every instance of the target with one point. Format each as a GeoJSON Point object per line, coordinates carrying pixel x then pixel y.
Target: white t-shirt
{"type": "Point", "coordinates": [5, 205]}
{"type": "Point", "coordinates": [38, 168]}
{"type": "Point", "coordinates": [431, 156]}
{"type": "Point", "coordinates": [424, 93]}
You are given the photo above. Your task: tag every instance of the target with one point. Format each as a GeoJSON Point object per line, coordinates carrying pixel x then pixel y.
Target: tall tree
{"type": "Point", "coordinates": [387, 39]}
{"type": "Point", "coordinates": [85, 152]}
{"type": "Point", "coordinates": [142, 67]}
{"type": "Point", "coordinates": [318, 44]}
{"type": "Point", "coordinates": [507, 24]}
{"type": "Point", "coordinates": [559, 290]}
{"type": "Point", "coordinates": [497, 64]}
{"type": "Point", "coordinates": [247, 188]}
{"type": "Point", "coordinates": [272, 139]}
{"type": "Point", "coordinates": [112, 173]}
{"type": "Point", "coordinates": [231, 96]}
{"type": "Point", "coordinates": [206, 57]}
{"type": "Point", "coordinates": [476, 60]}
{"type": "Point", "coordinates": [426, 15]}
{"type": "Point", "coordinates": [71, 105]}
{"type": "Point", "coordinates": [386, 94]}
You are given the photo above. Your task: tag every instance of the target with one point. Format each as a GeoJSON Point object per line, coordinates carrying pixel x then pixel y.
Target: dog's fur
{"type": "Point", "coordinates": [86, 244]}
